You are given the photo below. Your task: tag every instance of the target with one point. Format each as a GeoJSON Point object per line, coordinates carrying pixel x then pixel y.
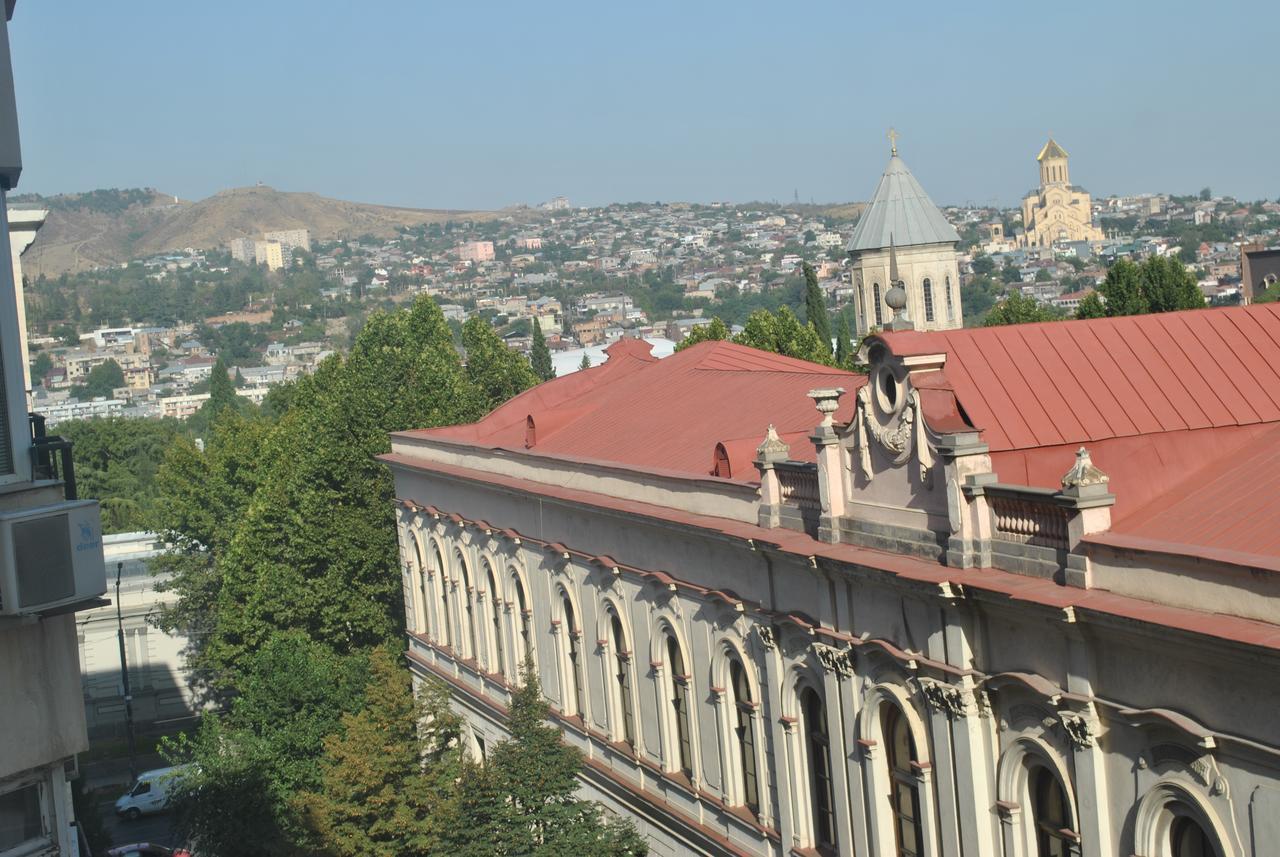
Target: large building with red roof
{"type": "Point", "coordinates": [1011, 592]}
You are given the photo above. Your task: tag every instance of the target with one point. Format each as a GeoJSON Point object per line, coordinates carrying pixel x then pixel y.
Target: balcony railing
{"type": "Point", "coordinates": [51, 457]}
{"type": "Point", "coordinates": [1028, 516]}
{"type": "Point", "coordinates": [799, 483]}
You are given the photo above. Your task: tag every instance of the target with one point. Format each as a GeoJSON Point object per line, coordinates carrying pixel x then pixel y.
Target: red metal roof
{"type": "Point", "coordinates": [1154, 397]}
{"type": "Point", "coordinates": [665, 415]}
{"type": "Point", "coordinates": [1224, 513]}
{"type": "Point", "coordinates": [1030, 385]}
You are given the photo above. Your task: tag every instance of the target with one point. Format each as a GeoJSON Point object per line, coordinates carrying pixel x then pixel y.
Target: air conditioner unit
{"type": "Point", "coordinates": [50, 556]}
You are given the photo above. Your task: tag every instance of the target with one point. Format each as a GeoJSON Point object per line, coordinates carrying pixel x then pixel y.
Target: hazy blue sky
{"type": "Point", "coordinates": [478, 104]}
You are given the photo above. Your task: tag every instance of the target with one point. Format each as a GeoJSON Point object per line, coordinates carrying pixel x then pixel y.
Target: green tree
{"type": "Point", "coordinates": [311, 543]}
{"type": "Point", "coordinates": [1122, 291]}
{"type": "Point", "coordinates": [1169, 286]}
{"type": "Point", "coordinates": [40, 366]}
{"type": "Point", "coordinates": [845, 354]}
{"type": "Point", "coordinates": [497, 372]}
{"type": "Point", "coordinates": [1019, 309]}
{"type": "Point", "coordinates": [815, 306]}
{"type": "Point", "coordinates": [1158, 284]}
{"type": "Point", "coordinates": [316, 548]}
{"type": "Point", "coordinates": [716, 330]}
{"type": "Point", "coordinates": [540, 355]}
{"type": "Point", "coordinates": [388, 775]}
{"type": "Point", "coordinates": [1091, 306]}
{"type": "Point", "coordinates": [249, 762]}
{"type": "Point", "coordinates": [782, 333]}
{"type": "Point", "coordinates": [117, 460]}
{"type": "Point", "coordinates": [102, 380]}
{"type": "Point", "coordinates": [585, 363]}
{"type": "Point", "coordinates": [524, 801]}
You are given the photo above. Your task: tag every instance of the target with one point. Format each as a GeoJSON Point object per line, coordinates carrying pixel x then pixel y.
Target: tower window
{"type": "Point", "coordinates": [928, 299]}
{"type": "Point", "coordinates": [875, 296]}
{"type": "Point", "coordinates": [951, 304]}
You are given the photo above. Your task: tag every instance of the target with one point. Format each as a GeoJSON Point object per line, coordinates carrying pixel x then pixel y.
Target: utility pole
{"type": "Point", "coordinates": [124, 679]}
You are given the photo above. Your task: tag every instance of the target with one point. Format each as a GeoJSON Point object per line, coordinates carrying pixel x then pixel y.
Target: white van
{"type": "Point", "coordinates": [150, 792]}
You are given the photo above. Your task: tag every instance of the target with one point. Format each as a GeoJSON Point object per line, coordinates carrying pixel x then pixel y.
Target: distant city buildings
{"type": "Point", "coordinates": [476, 251]}
{"type": "Point", "coordinates": [274, 249]}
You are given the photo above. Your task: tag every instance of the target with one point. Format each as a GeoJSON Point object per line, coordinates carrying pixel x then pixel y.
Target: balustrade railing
{"type": "Point", "coordinates": [1028, 516]}
{"type": "Point", "coordinates": [798, 481]}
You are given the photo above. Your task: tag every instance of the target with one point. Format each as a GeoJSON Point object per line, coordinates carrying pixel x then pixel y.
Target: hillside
{"type": "Point", "coordinates": [107, 227]}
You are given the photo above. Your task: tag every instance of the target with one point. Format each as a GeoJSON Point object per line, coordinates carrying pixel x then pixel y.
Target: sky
{"type": "Point", "coordinates": [481, 105]}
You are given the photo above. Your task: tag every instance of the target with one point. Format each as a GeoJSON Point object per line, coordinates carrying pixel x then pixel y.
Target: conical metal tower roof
{"type": "Point", "coordinates": [900, 208]}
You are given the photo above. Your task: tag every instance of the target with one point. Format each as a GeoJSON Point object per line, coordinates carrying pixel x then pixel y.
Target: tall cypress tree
{"type": "Point", "coordinates": [844, 344]}
{"type": "Point", "coordinates": [540, 355]}
{"type": "Point", "coordinates": [815, 307]}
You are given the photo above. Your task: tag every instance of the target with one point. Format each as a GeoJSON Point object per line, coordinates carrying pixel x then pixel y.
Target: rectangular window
{"type": "Point", "coordinates": [21, 821]}
{"type": "Point", "coordinates": [928, 299]}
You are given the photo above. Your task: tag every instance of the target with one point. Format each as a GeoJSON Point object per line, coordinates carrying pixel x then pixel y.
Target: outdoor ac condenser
{"type": "Point", "coordinates": [50, 556]}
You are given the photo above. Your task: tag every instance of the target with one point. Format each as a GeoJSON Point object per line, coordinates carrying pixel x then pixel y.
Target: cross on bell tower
{"type": "Point", "coordinates": [893, 142]}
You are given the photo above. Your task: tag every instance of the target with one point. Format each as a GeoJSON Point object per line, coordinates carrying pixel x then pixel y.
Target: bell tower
{"type": "Point", "coordinates": [1053, 165]}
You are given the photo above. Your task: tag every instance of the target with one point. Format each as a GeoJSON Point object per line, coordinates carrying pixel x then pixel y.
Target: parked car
{"type": "Point", "coordinates": [150, 793]}
{"type": "Point", "coordinates": [147, 849]}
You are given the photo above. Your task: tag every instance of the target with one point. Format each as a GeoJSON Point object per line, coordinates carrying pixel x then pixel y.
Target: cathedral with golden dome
{"type": "Point", "coordinates": [1059, 210]}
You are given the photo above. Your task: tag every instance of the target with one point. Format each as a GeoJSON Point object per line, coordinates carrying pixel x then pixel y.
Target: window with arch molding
{"type": "Point", "coordinates": [526, 619]}
{"type": "Point", "coordinates": [444, 599]}
{"type": "Point", "coordinates": [495, 618]}
{"type": "Point", "coordinates": [622, 680]}
{"type": "Point", "coordinates": [468, 617]}
{"type": "Point", "coordinates": [573, 675]}
{"type": "Point", "coordinates": [742, 716]}
{"type": "Point", "coordinates": [817, 744]}
{"type": "Point", "coordinates": [1050, 814]}
{"type": "Point", "coordinates": [904, 788]}
{"type": "Point", "coordinates": [1188, 839]}
{"type": "Point", "coordinates": [420, 585]}
{"type": "Point", "coordinates": [680, 695]}
{"type": "Point", "coordinates": [927, 288]}
{"type": "Point", "coordinates": [875, 297]}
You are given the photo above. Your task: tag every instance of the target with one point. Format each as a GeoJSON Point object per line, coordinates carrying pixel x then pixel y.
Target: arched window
{"type": "Point", "coordinates": [904, 790]}
{"type": "Point", "coordinates": [444, 599]}
{"type": "Point", "coordinates": [573, 678]}
{"type": "Point", "coordinates": [951, 304]}
{"type": "Point", "coordinates": [928, 299]}
{"type": "Point", "coordinates": [744, 733]}
{"type": "Point", "coordinates": [818, 749]}
{"type": "Point", "coordinates": [1188, 839]}
{"type": "Point", "coordinates": [495, 618]}
{"type": "Point", "coordinates": [862, 309]}
{"type": "Point", "coordinates": [622, 681]}
{"type": "Point", "coordinates": [875, 296]}
{"type": "Point", "coordinates": [468, 618]}
{"type": "Point", "coordinates": [526, 619]}
{"type": "Point", "coordinates": [1052, 821]}
{"type": "Point", "coordinates": [680, 694]}
{"type": "Point", "coordinates": [420, 586]}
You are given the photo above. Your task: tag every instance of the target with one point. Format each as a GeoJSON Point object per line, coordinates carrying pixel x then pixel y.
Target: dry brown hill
{"type": "Point", "coordinates": [108, 227]}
